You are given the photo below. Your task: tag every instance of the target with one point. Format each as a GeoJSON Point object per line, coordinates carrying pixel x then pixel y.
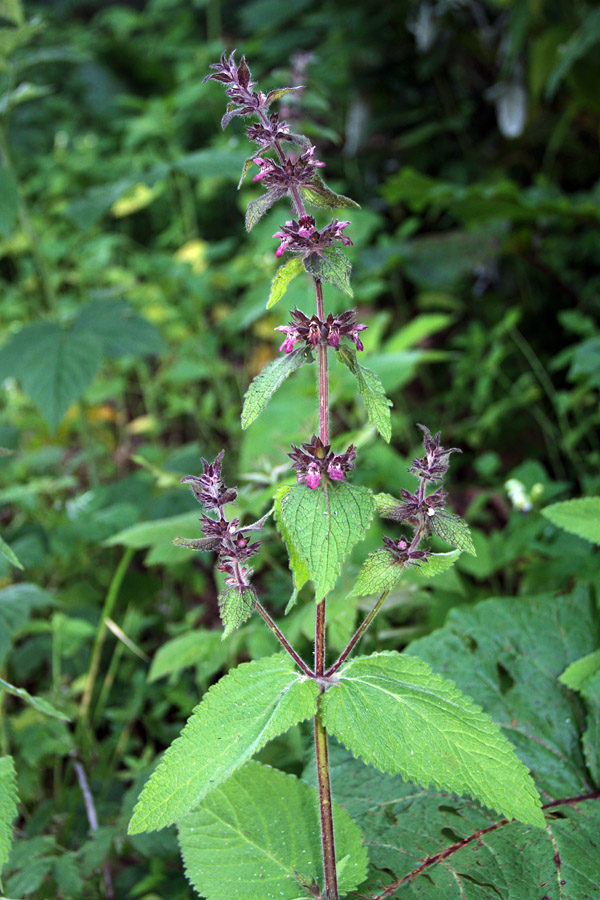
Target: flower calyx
{"type": "Point", "coordinates": [303, 237]}
{"type": "Point", "coordinates": [314, 461]}
{"type": "Point", "coordinates": [290, 173]}
{"type": "Point", "coordinates": [405, 553]}
{"type": "Point", "coordinates": [313, 331]}
{"type": "Point", "coordinates": [433, 466]}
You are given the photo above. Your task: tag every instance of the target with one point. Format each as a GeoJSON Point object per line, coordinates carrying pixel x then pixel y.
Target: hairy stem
{"type": "Point", "coordinates": [357, 635]}
{"type": "Point", "coordinates": [282, 639]}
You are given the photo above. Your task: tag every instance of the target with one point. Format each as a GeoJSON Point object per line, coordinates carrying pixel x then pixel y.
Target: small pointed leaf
{"type": "Point", "coordinates": [235, 607]}
{"type": "Point", "coordinates": [332, 266]}
{"type": "Point", "coordinates": [436, 563]}
{"type": "Point", "coordinates": [7, 551]}
{"type": "Point", "coordinates": [323, 197]}
{"type": "Point", "coordinates": [236, 717]}
{"type": "Point", "coordinates": [246, 166]}
{"type": "Point", "coordinates": [452, 529]}
{"type": "Point", "coordinates": [581, 670]}
{"type": "Point", "coordinates": [324, 524]}
{"type": "Point", "coordinates": [204, 543]}
{"type": "Point", "coordinates": [278, 93]}
{"type": "Point", "coordinates": [266, 382]}
{"type": "Point", "coordinates": [380, 572]}
{"type": "Point", "coordinates": [397, 714]}
{"type": "Point", "coordinates": [283, 278]}
{"type": "Point", "coordinates": [257, 208]}
{"type": "Point", "coordinates": [258, 835]}
{"type": "Point", "coordinates": [37, 703]}
{"type": "Point", "coordinates": [371, 389]}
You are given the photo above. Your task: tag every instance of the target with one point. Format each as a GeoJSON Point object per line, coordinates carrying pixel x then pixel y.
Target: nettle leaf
{"type": "Point", "coordinates": [120, 329]}
{"type": "Point", "coordinates": [8, 806]}
{"type": "Point", "coordinates": [580, 517]}
{"type": "Point", "coordinates": [258, 835]}
{"type": "Point", "coordinates": [452, 529]}
{"type": "Point", "coordinates": [580, 671]}
{"type": "Point", "coordinates": [283, 278]}
{"type": "Point", "coordinates": [324, 198]}
{"type": "Point", "coordinates": [278, 93]}
{"type": "Point", "coordinates": [201, 648]}
{"type": "Point", "coordinates": [235, 607]}
{"type": "Point", "coordinates": [236, 717]}
{"type": "Point", "coordinates": [298, 568]}
{"type": "Point", "coordinates": [202, 544]}
{"type": "Point", "coordinates": [403, 718]}
{"type": "Point", "coordinates": [386, 505]}
{"type": "Point", "coordinates": [17, 602]}
{"type": "Point", "coordinates": [55, 365]}
{"type": "Point", "coordinates": [247, 165]}
{"type": "Point", "coordinates": [332, 266]}
{"type": "Point", "coordinates": [324, 524]}
{"type": "Point", "coordinates": [371, 389]}
{"type": "Point", "coordinates": [380, 572]}
{"type": "Point", "coordinates": [432, 845]}
{"type": "Point", "coordinates": [8, 553]}
{"type": "Point", "coordinates": [436, 564]}
{"type": "Point", "coordinates": [583, 676]}
{"type": "Point", "coordinates": [37, 703]}
{"type": "Point", "coordinates": [266, 382]}
{"type": "Point", "coordinates": [257, 208]}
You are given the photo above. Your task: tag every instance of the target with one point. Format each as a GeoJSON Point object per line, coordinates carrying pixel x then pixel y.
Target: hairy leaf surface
{"type": "Point", "coordinates": [324, 524]}
{"type": "Point", "coordinates": [235, 607]}
{"type": "Point", "coordinates": [332, 266]}
{"type": "Point", "coordinates": [236, 717]}
{"type": "Point", "coordinates": [380, 571]}
{"type": "Point", "coordinates": [400, 716]}
{"type": "Point", "coordinates": [298, 568]}
{"type": "Point", "coordinates": [257, 836]}
{"type": "Point", "coordinates": [257, 208]}
{"type": "Point", "coordinates": [266, 382]}
{"type": "Point", "coordinates": [8, 806]}
{"type": "Point", "coordinates": [283, 278]}
{"type": "Point", "coordinates": [320, 195]}
{"type": "Point", "coordinates": [580, 517]}
{"type": "Point", "coordinates": [452, 529]}
{"type": "Point", "coordinates": [370, 388]}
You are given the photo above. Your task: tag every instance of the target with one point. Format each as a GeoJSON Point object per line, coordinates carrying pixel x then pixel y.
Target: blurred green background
{"type": "Point", "coordinates": [133, 318]}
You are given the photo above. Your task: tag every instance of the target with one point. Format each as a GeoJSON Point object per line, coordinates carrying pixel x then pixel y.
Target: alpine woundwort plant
{"type": "Point", "coordinates": [388, 708]}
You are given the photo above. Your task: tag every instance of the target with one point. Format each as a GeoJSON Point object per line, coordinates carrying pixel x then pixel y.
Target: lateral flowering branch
{"type": "Point", "coordinates": [313, 331]}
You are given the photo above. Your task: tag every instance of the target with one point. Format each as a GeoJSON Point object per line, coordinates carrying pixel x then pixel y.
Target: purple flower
{"type": "Point", "coordinates": [314, 460]}
{"type": "Point", "coordinates": [313, 476]}
{"type": "Point", "coordinates": [303, 237]}
{"type": "Point", "coordinates": [404, 552]}
{"type": "Point", "coordinates": [313, 331]}
{"type": "Point", "coordinates": [208, 488]}
{"type": "Point", "coordinates": [434, 465]}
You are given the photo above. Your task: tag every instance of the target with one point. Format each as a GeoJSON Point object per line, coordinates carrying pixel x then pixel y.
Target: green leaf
{"type": "Point", "coordinates": [23, 93]}
{"type": "Point", "coordinates": [258, 835]}
{"type": "Point", "coordinates": [380, 572]}
{"type": "Point", "coordinates": [324, 524]}
{"type": "Point", "coordinates": [257, 208]}
{"type": "Point", "coordinates": [298, 568]}
{"type": "Point", "coordinates": [452, 529]}
{"type": "Point", "coordinates": [38, 703]}
{"type": "Point", "coordinates": [323, 197]}
{"type": "Point", "coordinates": [155, 532]}
{"type": "Point", "coordinates": [583, 675]}
{"type": "Point", "coordinates": [194, 648]}
{"type": "Point", "coordinates": [266, 382]}
{"type": "Point", "coordinates": [579, 44]}
{"type": "Point", "coordinates": [120, 329]}
{"type": "Point", "coordinates": [9, 554]}
{"type": "Point", "coordinates": [436, 564]}
{"type": "Point", "coordinates": [16, 605]}
{"type": "Point", "coordinates": [55, 365]}
{"type": "Point", "coordinates": [278, 93]}
{"type": "Point", "coordinates": [237, 716]}
{"type": "Point", "coordinates": [10, 201]}
{"type": "Point", "coordinates": [283, 278]}
{"type": "Point", "coordinates": [332, 266]}
{"type": "Point", "coordinates": [386, 504]}
{"type": "Point", "coordinates": [581, 670]}
{"type": "Point", "coordinates": [8, 806]}
{"type": "Point", "coordinates": [370, 388]}
{"type": "Point", "coordinates": [403, 718]}
{"type": "Point", "coordinates": [247, 165]}
{"type": "Point", "coordinates": [580, 517]}
{"type": "Point", "coordinates": [235, 607]}
{"type": "Point", "coordinates": [12, 10]}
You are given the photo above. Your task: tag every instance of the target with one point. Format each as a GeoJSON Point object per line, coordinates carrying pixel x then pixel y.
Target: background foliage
{"type": "Point", "coordinates": [133, 314]}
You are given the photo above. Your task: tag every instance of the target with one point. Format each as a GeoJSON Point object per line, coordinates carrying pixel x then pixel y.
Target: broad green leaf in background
{"type": "Point", "coordinates": [583, 675]}
{"type": "Point", "coordinates": [370, 388]}
{"type": "Point", "coordinates": [55, 365]}
{"type": "Point", "coordinates": [580, 517]}
{"type": "Point", "coordinates": [266, 382]}
{"type": "Point", "coordinates": [320, 195]}
{"type": "Point", "coordinates": [578, 45]}
{"type": "Point", "coordinates": [12, 10]}
{"type": "Point", "coordinates": [8, 806]}
{"type": "Point", "coordinates": [283, 278]}
{"type": "Point", "coordinates": [120, 329]}
{"type": "Point", "coordinates": [380, 572]}
{"type": "Point", "coordinates": [16, 605]}
{"type": "Point", "coordinates": [298, 568]}
{"type": "Point", "coordinates": [7, 551]}
{"type": "Point", "coordinates": [235, 607]}
{"type": "Point", "coordinates": [10, 201]}
{"type": "Point", "coordinates": [257, 835]}
{"type": "Point", "coordinates": [324, 524]}
{"type": "Point", "coordinates": [332, 266]}
{"type": "Point", "coordinates": [23, 93]}
{"type": "Point", "coordinates": [236, 717]}
{"type": "Point", "coordinates": [37, 703]}
{"type": "Point", "coordinates": [403, 718]}
{"type": "Point", "coordinates": [200, 647]}
{"type": "Point", "coordinates": [158, 535]}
